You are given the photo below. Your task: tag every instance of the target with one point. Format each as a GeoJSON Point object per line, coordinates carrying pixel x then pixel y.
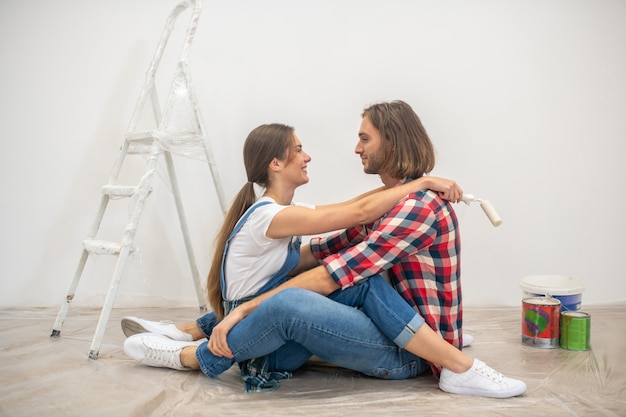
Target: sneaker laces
{"type": "Point", "coordinates": [164, 354]}
{"type": "Point", "coordinates": [489, 372]}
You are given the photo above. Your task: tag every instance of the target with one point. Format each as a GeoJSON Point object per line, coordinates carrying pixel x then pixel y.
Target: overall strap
{"type": "Point", "coordinates": [236, 229]}
{"type": "Point", "coordinates": [292, 260]}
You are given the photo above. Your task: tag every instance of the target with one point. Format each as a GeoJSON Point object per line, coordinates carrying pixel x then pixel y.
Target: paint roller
{"type": "Point", "coordinates": [491, 213]}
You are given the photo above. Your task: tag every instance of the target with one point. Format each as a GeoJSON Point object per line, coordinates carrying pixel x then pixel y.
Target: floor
{"type": "Point", "coordinates": [44, 376]}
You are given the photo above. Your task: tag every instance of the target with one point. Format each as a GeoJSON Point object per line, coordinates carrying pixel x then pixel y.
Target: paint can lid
{"type": "Point", "coordinates": [542, 301]}
{"type": "Point", "coordinates": [578, 314]}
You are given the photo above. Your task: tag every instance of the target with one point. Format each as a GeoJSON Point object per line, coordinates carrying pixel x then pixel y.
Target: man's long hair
{"type": "Point", "coordinates": [409, 152]}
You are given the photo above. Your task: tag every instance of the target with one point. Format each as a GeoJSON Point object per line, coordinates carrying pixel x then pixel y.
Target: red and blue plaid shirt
{"type": "Point", "coordinates": [418, 244]}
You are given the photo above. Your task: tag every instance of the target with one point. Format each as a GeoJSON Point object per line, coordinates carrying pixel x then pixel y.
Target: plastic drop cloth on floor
{"type": "Point", "coordinates": [44, 376]}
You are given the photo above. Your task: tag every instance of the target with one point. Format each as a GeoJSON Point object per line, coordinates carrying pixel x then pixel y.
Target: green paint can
{"type": "Point", "coordinates": [575, 330]}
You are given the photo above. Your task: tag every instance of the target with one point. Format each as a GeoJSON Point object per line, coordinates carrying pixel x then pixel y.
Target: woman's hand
{"type": "Point", "coordinates": [218, 344]}
{"type": "Point", "coordinates": [447, 189]}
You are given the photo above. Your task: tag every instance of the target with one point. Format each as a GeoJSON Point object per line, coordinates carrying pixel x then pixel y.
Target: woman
{"type": "Point", "coordinates": [255, 238]}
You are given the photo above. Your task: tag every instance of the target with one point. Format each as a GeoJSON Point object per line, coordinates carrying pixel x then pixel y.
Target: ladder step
{"type": "Point", "coordinates": [151, 135]}
{"type": "Point", "coordinates": [184, 143]}
{"type": "Point", "coordinates": [165, 138]}
{"type": "Point", "coordinates": [147, 137]}
{"type": "Point", "coordinates": [103, 247]}
{"type": "Point", "coordinates": [119, 190]}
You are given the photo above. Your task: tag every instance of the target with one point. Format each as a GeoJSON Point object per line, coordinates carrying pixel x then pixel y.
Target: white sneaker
{"type": "Point", "coordinates": [134, 325]}
{"type": "Point", "coordinates": [468, 339]}
{"type": "Point", "coordinates": [482, 381]}
{"type": "Point", "coordinates": [156, 350]}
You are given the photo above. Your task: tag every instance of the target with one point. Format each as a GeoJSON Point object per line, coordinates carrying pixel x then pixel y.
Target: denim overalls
{"type": "Point", "coordinates": [255, 372]}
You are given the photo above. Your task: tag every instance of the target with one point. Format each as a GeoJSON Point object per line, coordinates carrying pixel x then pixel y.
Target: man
{"type": "Point", "coordinates": [416, 244]}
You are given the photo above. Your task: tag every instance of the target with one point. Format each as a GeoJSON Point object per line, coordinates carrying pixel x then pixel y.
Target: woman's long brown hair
{"type": "Point", "coordinates": [262, 145]}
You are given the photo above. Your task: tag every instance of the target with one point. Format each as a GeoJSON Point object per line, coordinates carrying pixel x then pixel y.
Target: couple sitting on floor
{"type": "Point", "coordinates": [276, 303]}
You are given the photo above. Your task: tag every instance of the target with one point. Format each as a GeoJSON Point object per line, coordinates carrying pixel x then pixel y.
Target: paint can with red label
{"type": "Point", "coordinates": [541, 318]}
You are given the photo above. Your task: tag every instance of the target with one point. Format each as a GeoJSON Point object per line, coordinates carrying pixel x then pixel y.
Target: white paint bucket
{"type": "Point", "coordinates": [567, 290]}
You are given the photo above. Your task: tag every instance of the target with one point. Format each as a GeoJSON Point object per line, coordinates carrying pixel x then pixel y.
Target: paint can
{"type": "Point", "coordinates": [541, 322]}
{"type": "Point", "coordinates": [575, 330]}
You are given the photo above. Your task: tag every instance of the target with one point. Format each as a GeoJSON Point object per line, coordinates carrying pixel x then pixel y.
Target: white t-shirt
{"type": "Point", "coordinates": [253, 258]}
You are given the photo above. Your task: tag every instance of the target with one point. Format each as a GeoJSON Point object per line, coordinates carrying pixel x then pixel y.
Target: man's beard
{"type": "Point", "coordinates": [375, 163]}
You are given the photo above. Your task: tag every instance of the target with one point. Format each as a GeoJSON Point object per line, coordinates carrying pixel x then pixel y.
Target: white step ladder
{"type": "Point", "coordinates": [170, 135]}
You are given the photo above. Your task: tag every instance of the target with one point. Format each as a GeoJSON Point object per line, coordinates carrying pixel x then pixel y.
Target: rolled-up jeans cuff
{"type": "Point", "coordinates": [209, 363]}
{"type": "Point", "coordinates": [409, 331]}
{"type": "Point", "coordinates": [207, 322]}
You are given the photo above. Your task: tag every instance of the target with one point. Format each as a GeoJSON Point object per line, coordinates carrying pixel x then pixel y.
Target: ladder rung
{"type": "Point", "coordinates": [103, 247]}
{"type": "Point", "coordinates": [162, 136]}
{"type": "Point", "coordinates": [148, 136]}
{"type": "Point", "coordinates": [185, 143]}
{"type": "Point", "coordinates": [119, 190]}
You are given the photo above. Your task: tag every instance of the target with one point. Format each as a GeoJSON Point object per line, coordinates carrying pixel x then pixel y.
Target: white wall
{"type": "Point", "coordinates": [524, 100]}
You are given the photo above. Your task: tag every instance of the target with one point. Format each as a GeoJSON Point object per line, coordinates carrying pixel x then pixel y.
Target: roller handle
{"type": "Point", "coordinates": [491, 213]}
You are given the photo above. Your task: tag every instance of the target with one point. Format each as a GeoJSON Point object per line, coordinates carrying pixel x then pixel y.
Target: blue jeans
{"type": "Point", "coordinates": [295, 324]}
